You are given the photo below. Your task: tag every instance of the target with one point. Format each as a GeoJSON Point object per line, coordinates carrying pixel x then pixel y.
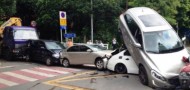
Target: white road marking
{"type": "Point", "coordinates": [52, 70]}
{"type": "Point", "coordinates": [38, 73]}
{"type": "Point", "coordinates": [7, 67]}
{"type": "Point", "coordinates": [8, 83]}
{"type": "Point", "coordinates": [20, 76]}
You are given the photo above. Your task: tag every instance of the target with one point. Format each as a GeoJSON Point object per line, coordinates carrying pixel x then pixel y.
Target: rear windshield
{"type": "Point", "coordinates": [152, 20]}
{"type": "Point", "coordinates": [25, 34]}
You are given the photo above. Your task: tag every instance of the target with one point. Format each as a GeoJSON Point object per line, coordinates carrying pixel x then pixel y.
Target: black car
{"type": "Point", "coordinates": [47, 51]}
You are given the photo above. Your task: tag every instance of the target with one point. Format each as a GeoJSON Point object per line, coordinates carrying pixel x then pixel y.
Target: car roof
{"type": "Point", "coordinates": [136, 12]}
{"type": "Point", "coordinates": [21, 27]}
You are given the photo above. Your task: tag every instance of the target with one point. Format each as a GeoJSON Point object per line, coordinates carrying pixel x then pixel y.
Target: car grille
{"type": "Point", "coordinates": [174, 81]}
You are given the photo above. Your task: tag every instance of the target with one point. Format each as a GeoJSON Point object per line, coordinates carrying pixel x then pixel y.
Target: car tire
{"type": "Point", "coordinates": [99, 64]}
{"type": "Point", "coordinates": [143, 75]}
{"type": "Point", "coordinates": [65, 63]}
{"type": "Point", "coordinates": [120, 68]}
{"type": "Point", "coordinates": [48, 61]}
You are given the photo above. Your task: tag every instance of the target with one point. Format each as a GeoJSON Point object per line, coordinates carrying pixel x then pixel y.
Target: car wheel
{"type": "Point", "coordinates": [143, 75]}
{"type": "Point", "coordinates": [65, 63]}
{"type": "Point", "coordinates": [99, 64]}
{"type": "Point", "coordinates": [120, 68]}
{"type": "Point", "coordinates": [48, 61]}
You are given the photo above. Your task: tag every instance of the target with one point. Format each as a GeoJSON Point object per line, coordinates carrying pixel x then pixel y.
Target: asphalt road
{"type": "Point", "coordinates": [21, 75]}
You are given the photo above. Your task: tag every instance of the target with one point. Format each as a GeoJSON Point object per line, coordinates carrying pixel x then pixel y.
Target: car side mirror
{"type": "Point", "coordinates": [42, 47]}
{"type": "Point", "coordinates": [184, 38]}
{"type": "Point", "coordinates": [137, 45]}
{"type": "Point", "coordinates": [89, 50]}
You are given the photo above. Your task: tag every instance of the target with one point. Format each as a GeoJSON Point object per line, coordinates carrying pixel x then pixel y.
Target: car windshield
{"type": "Point", "coordinates": [165, 41]}
{"type": "Point", "coordinates": [95, 48]}
{"type": "Point", "coordinates": [25, 34]}
{"type": "Point", "coordinates": [54, 45]}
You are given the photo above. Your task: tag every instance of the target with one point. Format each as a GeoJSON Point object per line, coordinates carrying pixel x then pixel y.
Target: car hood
{"type": "Point", "coordinates": [105, 52]}
{"type": "Point", "coordinates": [168, 64]}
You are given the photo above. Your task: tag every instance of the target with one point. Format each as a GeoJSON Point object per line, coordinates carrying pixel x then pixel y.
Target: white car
{"type": "Point", "coordinates": [122, 62]}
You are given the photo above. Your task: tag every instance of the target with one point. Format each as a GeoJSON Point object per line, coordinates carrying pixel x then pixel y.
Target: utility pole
{"type": "Point", "coordinates": [92, 36]}
{"type": "Point", "coordinates": [126, 4]}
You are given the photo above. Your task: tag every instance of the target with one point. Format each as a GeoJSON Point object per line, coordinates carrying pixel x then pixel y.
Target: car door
{"type": "Point", "coordinates": [42, 51]}
{"type": "Point", "coordinates": [135, 38]}
{"type": "Point", "coordinates": [86, 55]}
{"type": "Point", "coordinates": [73, 54]}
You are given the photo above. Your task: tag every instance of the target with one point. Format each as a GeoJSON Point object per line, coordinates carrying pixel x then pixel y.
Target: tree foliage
{"type": "Point", "coordinates": [105, 15]}
{"type": "Point", "coordinates": [7, 9]}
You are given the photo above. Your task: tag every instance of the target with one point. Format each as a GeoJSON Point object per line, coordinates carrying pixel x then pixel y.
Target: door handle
{"type": "Point", "coordinates": [127, 59]}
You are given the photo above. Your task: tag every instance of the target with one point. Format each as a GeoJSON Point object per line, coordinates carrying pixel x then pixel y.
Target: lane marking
{"type": "Point", "coordinates": [2, 67]}
{"type": "Point", "coordinates": [52, 70]}
{"type": "Point", "coordinates": [8, 83]}
{"type": "Point", "coordinates": [60, 81]}
{"type": "Point", "coordinates": [67, 77]}
{"type": "Point", "coordinates": [38, 73]}
{"type": "Point", "coordinates": [20, 76]}
{"type": "Point", "coordinates": [86, 78]}
{"type": "Point", "coordinates": [6, 67]}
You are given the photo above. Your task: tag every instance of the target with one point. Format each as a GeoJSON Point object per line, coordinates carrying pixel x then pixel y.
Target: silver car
{"type": "Point", "coordinates": [154, 45]}
{"type": "Point", "coordinates": [85, 54]}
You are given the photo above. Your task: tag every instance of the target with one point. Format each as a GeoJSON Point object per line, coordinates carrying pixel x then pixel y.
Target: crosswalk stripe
{"type": "Point", "coordinates": [20, 76]}
{"type": "Point", "coordinates": [8, 83]}
{"type": "Point", "coordinates": [52, 70]}
{"type": "Point", "coordinates": [38, 73]}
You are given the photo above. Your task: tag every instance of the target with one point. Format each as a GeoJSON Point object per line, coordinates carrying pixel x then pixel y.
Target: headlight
{"type": "Point", "coordinates": [157, 75]}
{"type": "Point", "coordinates": [56, 55]}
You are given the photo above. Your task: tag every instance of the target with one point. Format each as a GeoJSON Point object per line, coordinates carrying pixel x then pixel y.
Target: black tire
{"type": "Point", "coordinates": [65, 63]}
{"type": "Point", "coordinates": [48, 61]}
{"type": "Point", "coordinates": [120, 68]}
{"type": "Point", "coordinates": [143, 75]}
{"type": "Point", "coordinates": [99, 64]}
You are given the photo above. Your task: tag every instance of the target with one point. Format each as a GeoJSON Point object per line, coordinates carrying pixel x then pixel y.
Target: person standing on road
{"type": "Point", "coordinates": [114, 43]}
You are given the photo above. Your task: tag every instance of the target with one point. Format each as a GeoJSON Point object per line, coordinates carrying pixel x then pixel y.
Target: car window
{"type": "Point", "coordinates": [127, 53]}
{"type": "Point", "coordinates": [40, 44]}
{"type": "Point", "coordinates": [54, 45]}
{"type": "Point", "coordinates": [73, 49]}
{"type": "Point", "coordinates": [83, 48]}
{"type": "Point", "coordinates": [133, 28]}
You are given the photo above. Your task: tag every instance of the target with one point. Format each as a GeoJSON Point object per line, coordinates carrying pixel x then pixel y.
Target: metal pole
{"type": "Point", "coordinates": [66, 33]}
{"type": "Point", "coordinates": [61, 35]}
{"type": "Point", "coordinates": [92, 22]}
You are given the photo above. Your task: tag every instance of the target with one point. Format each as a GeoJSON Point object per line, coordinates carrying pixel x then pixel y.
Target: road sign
{"type": "Point", "coordinates": [63, 18]}
{"type": "Point", "coordinates": [62, 15]}
{"type": "Point", "coordinates": [70, 35]}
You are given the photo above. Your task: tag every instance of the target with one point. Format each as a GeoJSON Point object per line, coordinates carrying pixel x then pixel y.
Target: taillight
{"type": "Point", "coordinates": [184, 59]}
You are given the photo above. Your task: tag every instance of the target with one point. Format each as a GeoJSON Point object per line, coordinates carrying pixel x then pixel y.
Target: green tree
{"type": "Point", "coordinates": [167, 8]}
{"type": "Point", "coordinates": [183, 16]}
{"type": "Point", "coordinates": [7, 9]}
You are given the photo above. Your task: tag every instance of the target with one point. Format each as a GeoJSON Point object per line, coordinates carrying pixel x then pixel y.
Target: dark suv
{"type": "Point", "coordinates": [47, 51]}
